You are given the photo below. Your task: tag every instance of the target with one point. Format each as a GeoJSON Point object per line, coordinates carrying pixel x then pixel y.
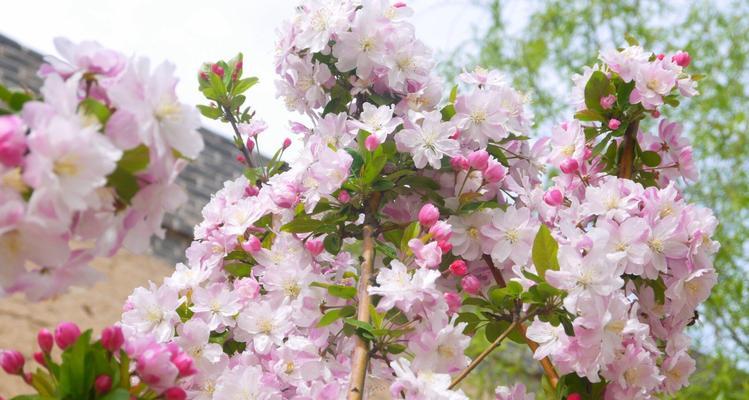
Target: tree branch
{"type": "Point", "coordinates": [360, 359]}
{"type": "Point", "coordinates": [626, 162]}
{"type": "Point", "coordinates": [476, 361]}
{"type": "Point", "coordinates": [549, 370]}
{"type": "Point", "coordinates": [238, 137]}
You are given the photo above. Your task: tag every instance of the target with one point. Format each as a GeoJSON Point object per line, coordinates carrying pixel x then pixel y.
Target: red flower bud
{"type": "Point", "coordinates": [66, 334]}
{"type": "Point", "coordinates": [459, 268]}
{"type": "Point", "coordinates": [12, 361]}
{"type": "Point", "coordinates": [45, 340]}
{"type": "Point", "coordinates": [102, 384]}
{"type": "Point", "coordinates": [175, 393]}
{"type": "Point", "coordinates": [112, 338]}
{"type": "Point", "coordinates": [428, 215]}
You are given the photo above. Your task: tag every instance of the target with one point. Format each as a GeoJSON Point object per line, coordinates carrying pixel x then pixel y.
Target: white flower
{"type": "Point", "coordinates": [152, 311]}
{"type": "Point", "coordinates": [378, 121]}
{"type": "Point", "coordinates": [399, 288]}
{"type": "Point", "coordinates": [217, 305]}
{"type": "Point", "coordinates": [428, 142]}
{"type": "Point", "coordinates": [265, 325]}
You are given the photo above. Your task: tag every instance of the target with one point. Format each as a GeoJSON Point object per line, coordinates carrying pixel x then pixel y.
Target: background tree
{"type": "Point", "coordinates": [558, 37]}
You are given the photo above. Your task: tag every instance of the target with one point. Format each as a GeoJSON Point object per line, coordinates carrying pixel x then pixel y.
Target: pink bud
{"type": "Point", "coordinates": [399, 4]}
{"type": "Point", "coordinates": [608, 101]}
{"type": "Point", "coordinates": [112, 338]}
{"type": "Point", "coordinates": [12, 362]}
{"type": "Point", "coordinates": [314, 246]}
{"type": "Point", "coordinates": [495, 172]}
{"type": "Point", "coordinates": [184, 364]}
{"type": "Point", "coordinates": [574, 396]}
{"type": "Point", "coordinates": [286, 143]}
{"type": "Point", "coordinates": [250, 145]}
{"type": "Point", "coordinates": [239, 66]}
{"type": "Point", "coordinates": [655, 113]}
{"type": "Point", "coordinates": [587, 153]}
{"type": "Point", "coordinates": [218, 70]}
{"type": "Point", "coordinates": [682, 59]}
{"type": "Point", "coordinates": [470, 284]}
{"type": "Point", "coordinates": [66, 334]}
{"type": "Point", "coordinates": [251, 191]}
{"type": "Point", "coordinates": [614, 124]}
{"type": "Point", "coordinates": [175, 393]}
{"type": "Point", "coordinates": [479, 160]}
{"type": "Point", "coordinates": [453, 302]}
{"type": "Point", "coordinates": [459, 267]}
{"type": "Point", "coordinates": [553, 197]}
{"type": "Point", "coordinates": [371, 142]}
{"type": "Point", "coordinates": [660, 56]}
{"type": "Point", "coordinates": [459, 163]}
{"type": "Point", "coordinates": [102, 384]}
{"type": "Point", "coordinates": [28, 378]}
{"type": "Point", "coordinates": [441, 230]}
{"type": "Point", "coordinates": [569, 166]}
{"type": "Point", "coordinates": [12, 140]}
{"type": "Point", "coordinates": [343, 196]}
{"type": "Point", "coordinates": [445, 246]}
{"type": "Point", "coordinates": [45, 340]}
{"type": "Point", "coordinates": [252, 244]}
{"type": "Point", "coordinates": [241, 159]}
{"type": "Point", "coordinates": [428, 215]}
{"type": "Point", "coordinates": [39, 358]}
{"type": "Point", "coordinates": [203, 76]}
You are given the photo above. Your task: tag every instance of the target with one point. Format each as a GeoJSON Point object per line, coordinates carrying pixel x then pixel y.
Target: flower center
{"type": "Point", "coordinates": [478, 117]}
{"type": "Point", "coordinates": [66, 165]}
{"type": "Point", "coordinates": [266, 326]}
{"type": "Point", "coordinates": [656, 245]}
{"type": "Point", "coordinates": [512, 235]}
{"type": "Point", "coordinates": [13, 180]}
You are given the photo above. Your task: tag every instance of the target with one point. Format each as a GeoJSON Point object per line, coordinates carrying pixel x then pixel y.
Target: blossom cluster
{"type": "Point", "coordinates": [155, 372]}
{"type": "Point", "coordinates": [90, 167]}
{"type": "Point", "coordinates": [603, 272]}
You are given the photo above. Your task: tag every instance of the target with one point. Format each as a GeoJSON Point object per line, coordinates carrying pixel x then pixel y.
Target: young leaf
{"type": "Point", "coordinates": [650, 158]}
{"type": "Point", "coordinates": [596, 88]}
{"type": "Point", "coordinates": [544, 251]}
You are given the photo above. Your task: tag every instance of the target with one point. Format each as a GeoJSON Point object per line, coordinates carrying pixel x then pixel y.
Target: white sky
{"type": "Point", "coordinates": [188, 32]}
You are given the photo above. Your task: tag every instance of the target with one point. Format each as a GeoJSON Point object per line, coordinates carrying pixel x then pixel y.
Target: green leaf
{"type": "Point", "coordinates": [335, 314]}
{"type": "Point", "coordinates": [453, 94]}
{"type": "Point", "coordinates": [589, 116]}
{"type": "Point", "coordinates": [381, 100]}
{"type": "Point", "coordinates": [332, 244]}
{"type": "Point", "coordinates": [419, 182]}
{"type": "Point", "coordinates": [371, 169]}
{"type": "Point", "coordinates": [77, 370]}
{"type": "Point", "coordinates": [244, 84]}
{"type": "Point", "coordinates": [135, 159]}
{"type": "Point", "coordinates": [386, 250]}
{"type": "Point", "coordinates": [631, 40]}
{"type": "Point", "coordinates": [210, 112]}
{"type": "Point", "coordinates": [381, 185]}
{"type": "Point", "coordinates": [544, 251]}
{"type": "Point", "coordinates": [184, 312]}
{"type": "Point", "coordinates": [363, 329]}
{"type": "Point", "coordinates": [217, 85]}
{"type": "Point", "coordinates": [17, 100]}
{"type": "Point", "coordinates": [596, 88]}
{"type": "Point", "coordinates": [5, 94]}
{"type": "Point", "coordinates": [412, 231]}
{"type": "Point", "coordinates": [396, 348]}
{"type": "Point", "coordinates": [650, 158]}
{"type": "Point", "coordinates": [124, 183]}
{"type": "Point", "coordinates": [97, 109]}
{"type": "Point", "coordinates": [448, 112]}
{"type": "Point", "coordinates": [302, 224]}
{"type": "Point", "coordinates": [238, 269]}
{"type": "Point", "coordinates": [343, 292]}
{"type": "Point", "coordinates": [117, 394]}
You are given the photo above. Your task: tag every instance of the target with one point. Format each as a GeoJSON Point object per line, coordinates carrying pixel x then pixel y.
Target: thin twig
{"type": "Point", "coordinates": [229, 116]}
{"type": "Point", "coordinates": [476, 361]}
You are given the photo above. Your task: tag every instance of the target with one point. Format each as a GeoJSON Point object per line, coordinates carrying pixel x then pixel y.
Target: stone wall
{"type": "Point", "coordinates": [201, 178]}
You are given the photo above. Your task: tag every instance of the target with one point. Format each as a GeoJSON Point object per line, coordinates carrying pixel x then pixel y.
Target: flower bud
{"type": "Point", "coordinates": [112, 338]}
{"type": "Point", "coordinates": [660, 56]}
{"type": "Point", "coordinates": [218, 70]}
{"type": "Point", "coordinates": [459, 267]}
{"type": "Point", "coordinates": [479, 160]}
{"type": "Point", "coordinates": [574, 396]}
{"type": "Point", "coordinates": [39, 358]}
{"type": "Point", "coordinates": [428, 215]}
{"type": "Point", "coordinates": [682, 59]}
{"type": "Point", "coordinates": [12, 362]}
{"type": "Point", "coordinates": [553, 197]}
{"type": "Point", "coordinates": [614, 124]}
{"type": "Point", "coordinates": [314, 246]}
{"type": "Point", "coordinates": [569, 166]}
{"type": "Point", "coordinates": [445, 246]}
{"type": "Point", "coordinates": [371, 142]}
{"type": "Point", "coordinates": [495, 172]}
{"type": "Point", "coordinates": [607, 102]}
{"type": "Point", "coordinates": [471, 284]}
{"type": "Point", "coordinates": [66, 334]}
{"type": "Point", "coordinates": [250, 145]}
{"type": "Point", "coordinates": [441, 231]}
{"type": "Point", "coordinates": [286, 143]}
{"type": "Point", "coordinates": [252, 244]}
{"type": "Point", "coordinates": [655, 113]}
{"type": "Point", "coordinates": [102, 384]}
{"type": "Point", "coordinates": [343, 196]}
{"type": "Point", "coordinates": [241, 159]}
{"type": "Point", "coordinates": [184, 364]}
{"type": "Point", "coordinates": [12, 141]}
{"type": "Point", "coordinates": [459, 163]}
{"type": "Point", "coordinates": [251, 191]}
{"type": "Point", "coordinates": [45, 340]}
{"type": "Point", "coordinates": [453, 302]}
{"type": "Point", "coordinates": [175, 393]}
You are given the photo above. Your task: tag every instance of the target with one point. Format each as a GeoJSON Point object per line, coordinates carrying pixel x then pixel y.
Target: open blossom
{"type": "Point", "coordinates": [217, 305]}
{"type": "Point", "coordinates": [511, 235]}
{"type": "Point", "coordinates": [547, 337]}
{"type": "Point", "coordinates": [423, 385]}
{"type": "Point", "coordinates": [582, 277]}
{"type": "Point", "coordinates": [378, 121]}
{"type": "Point", "coordinates": [87, 56]}
{"type": "Point", "coordinates": [482, 118]}
{"type": "Point", "coordinates": [468, 237]}
{"type": "Point", "coordinates": [428, 142]}
{"type": "Point", "coordinates": [442, 349]}
{"type": "Point", "coordinates": [516, 392]}
{"type": "Point", "coordinates": [152, 311]}
{"type": "Point", "coordinates": [264, 325]}
{"type": "Point", "coordinates": [652, 82]}
{"type": "Point", "coordinates": [400, 288]}
{"type": "Point", "coordinates": [362, 48]}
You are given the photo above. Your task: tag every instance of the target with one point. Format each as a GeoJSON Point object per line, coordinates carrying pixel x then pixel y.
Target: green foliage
{"type": "Point", "coordinates": [544, 251]}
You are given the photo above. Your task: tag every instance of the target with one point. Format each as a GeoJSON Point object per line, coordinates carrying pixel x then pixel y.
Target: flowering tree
{"type": "Point", "coordinates": [89, 168]}
{"type": "Point", "coordinates": [409, 224]}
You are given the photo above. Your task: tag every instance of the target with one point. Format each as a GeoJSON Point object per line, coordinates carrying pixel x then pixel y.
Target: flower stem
{"type": "Point", "coordinates": [229, 116]}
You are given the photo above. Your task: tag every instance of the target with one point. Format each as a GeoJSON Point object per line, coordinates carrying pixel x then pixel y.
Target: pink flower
{"type": "Point", "coordinates": [553, 197]}
{"type": "Point", "coordinates": [12, 140]}
{"type": "Point", "coordinates": [399, 288]}
{"type": "Point", "coordinates": [459, 267]}
{"type": "Point", "coordinates": [607, 102]}
{"type": "Point", "coordinates": [428, 215]}
{"type": "Point", "coordinates": [459, 163]}
{"type": "Point", "coordinates": [252, 244]}
{"type": "Point", "coordinates": [175, 393]}
{"type": "Point", "coordinates": [314, 246]}
{"type": "Point", "coordinates": [371, 142]}
{"type": "Point", "coordinates": [84, 56]}
{"type": "Point", "coordinates": [427, 142]}
{"type": "Point", "coordinates": [441, 231]}
{"type": "Point", "coordinates": [471, 284]}
{"type": "Point", "coordinates": [494, 172]}
{"type": "Point", "coordinates": [427, 255]}
{"type": "Point", "coordinates": [511, 235]}
{"type": "Point", "coordinates": [45, 340]}
{"type": "Point", "coordinates": [614, 124]}
{"type": "Point", "coordinates": [12, 362]}
{"type": "Point", "coordinates": [682, 59]}
{"type": "Point", "coordinates": [66, 334]}
{"type": "Point", "coordinates": [479, 160]}
{"type": "Point", "coordinates": [569, 166]}
{"type": "Point", "coordinates": [112, 338]}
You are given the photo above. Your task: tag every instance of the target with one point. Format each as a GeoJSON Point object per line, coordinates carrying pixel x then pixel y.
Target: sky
{"type": "Point", "coordinates": [189, 32]}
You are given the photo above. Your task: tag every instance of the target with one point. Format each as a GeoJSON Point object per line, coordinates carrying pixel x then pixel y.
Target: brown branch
{"type": "Point", "coordinates": [549, 370]}
{"type": "Point", "coordinates": [626, 162]}
{"type": "Point", "coordinates": [476, 361]}
{"type": "Point", "coordinates": [360, 359]}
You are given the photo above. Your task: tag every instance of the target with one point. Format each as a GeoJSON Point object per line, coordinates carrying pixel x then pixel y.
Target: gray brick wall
{"type": "Point", "coordinates": [201, 178]}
